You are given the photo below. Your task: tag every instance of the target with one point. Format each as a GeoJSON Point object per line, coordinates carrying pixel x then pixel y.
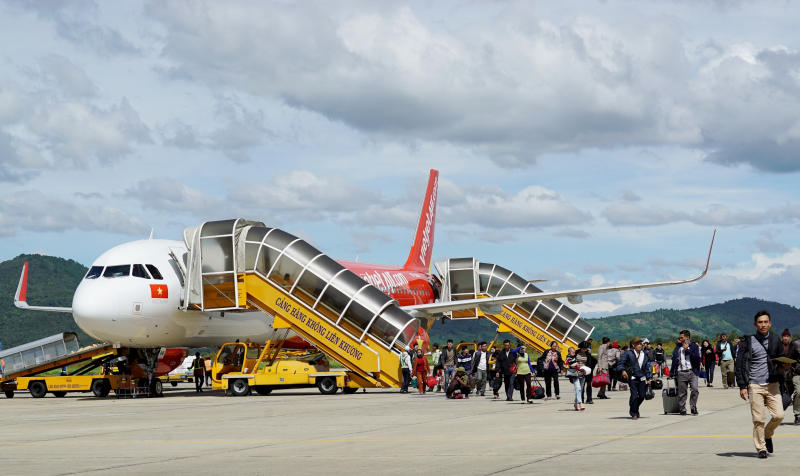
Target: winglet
{"type": "Point", "coordinates": [21, 296]}
{"type": "Point", "coordinates": [708, 261]}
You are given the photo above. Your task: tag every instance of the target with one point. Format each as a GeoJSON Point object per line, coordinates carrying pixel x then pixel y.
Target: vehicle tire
{"type": "Point", "coordinates": [38, 389]}
{"type": "Point", "coordinates": [327, 385]}
{"type": "Point", "coordinates": [157, 388]}
{"type": "Point", "coordinates": [9, 394]}
{"type": "Point", "coordinates": [100, 388]}
{"type": "Point", "coordinates": [240, 387]}
{"type": "Point", "coordinates": [60, 394]}
{"type": "Point", "coordinates": [349, 390]}
{"type": "Point", "coordinates": [263, 389]}
{"type": "Point", "coordinates": [174, 384]}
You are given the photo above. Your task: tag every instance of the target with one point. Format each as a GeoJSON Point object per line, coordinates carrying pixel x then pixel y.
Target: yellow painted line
{"type": "Point", "coordinates": [397, 440]}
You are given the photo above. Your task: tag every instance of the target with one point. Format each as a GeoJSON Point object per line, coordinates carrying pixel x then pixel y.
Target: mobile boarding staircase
{"type": "Point", "coordinates": [241, 265]}
{"type": "Point", "coordinates": [537, 323]}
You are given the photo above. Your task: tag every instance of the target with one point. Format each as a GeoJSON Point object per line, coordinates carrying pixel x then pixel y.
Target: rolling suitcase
{"type": "Point", "coordinates": [670, 397]}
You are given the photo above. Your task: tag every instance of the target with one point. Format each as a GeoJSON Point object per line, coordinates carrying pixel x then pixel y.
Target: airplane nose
{"type": "Point", "coordinates": [95, 308]}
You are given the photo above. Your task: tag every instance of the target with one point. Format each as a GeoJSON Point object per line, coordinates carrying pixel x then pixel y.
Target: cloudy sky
{"type": "Point", "coordinates": [580, 142]}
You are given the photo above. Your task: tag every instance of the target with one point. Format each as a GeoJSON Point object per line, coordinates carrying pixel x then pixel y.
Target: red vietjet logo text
{"type": "Point", "coordinates": [428, 222]}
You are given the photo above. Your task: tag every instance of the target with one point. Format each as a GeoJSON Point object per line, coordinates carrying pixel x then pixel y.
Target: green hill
{"type": "Point", "coordinates": [51, 282]}
{"type": "Point", "coordinates": [707, 321]}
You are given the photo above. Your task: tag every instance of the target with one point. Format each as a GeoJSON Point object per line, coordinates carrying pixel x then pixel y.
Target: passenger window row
{"type": "Point", "coordinates": [145, 271]}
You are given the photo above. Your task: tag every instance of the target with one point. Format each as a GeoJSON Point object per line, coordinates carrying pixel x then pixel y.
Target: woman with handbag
{"type": "Point", "coordinates": [552, 364]}
{"type": "Point", "coordinates": [524, 371]}
{"type": "Point", "coordinates": [574, 375]}
{"type": "Point", "coordinates": [708, 356]}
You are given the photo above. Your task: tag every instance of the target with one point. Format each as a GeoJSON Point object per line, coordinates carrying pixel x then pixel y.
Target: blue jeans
{"type": "Point", "coordinates": [449, 371]}
{"type": "Point", "coordinates": [578, 383]}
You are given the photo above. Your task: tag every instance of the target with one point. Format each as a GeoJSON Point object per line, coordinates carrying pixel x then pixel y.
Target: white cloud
{"type": "Point", "coordinates": [32, 210]}
{"type": "Point", "coordinates": [627, 213]}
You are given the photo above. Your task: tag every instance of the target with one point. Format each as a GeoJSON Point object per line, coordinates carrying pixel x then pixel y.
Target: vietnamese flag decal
{"type": "Point", "coordinates": [159, 291]}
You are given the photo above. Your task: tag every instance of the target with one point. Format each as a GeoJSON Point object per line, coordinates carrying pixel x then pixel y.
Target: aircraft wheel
{"type": "Point", "coordinates": [100, 388]}
{"type": "Point", "coordinates": [240, 387]}
{"type": "Point", "coordinates": [349, 390]}
{"type": "Point", "coordinates": [262, 389]}
{"type": "Point", "coordinates": [157, 387]}
{"type": "Point", "coordinates": [327, 386]}
{"type": "Point", "coordinates": [9, 394]}
{"type": "Point", "coordinates": [174, 384]}
{"type": "Point", "coordinates": [60, 394]}
{"type": "Point", "coordinates": [38, 389]}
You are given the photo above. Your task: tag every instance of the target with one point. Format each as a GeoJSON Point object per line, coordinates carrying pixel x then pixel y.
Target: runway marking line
{"type": "Point", "coordinates": [398, 440]}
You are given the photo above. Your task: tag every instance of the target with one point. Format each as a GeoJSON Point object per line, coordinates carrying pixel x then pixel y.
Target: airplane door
{"type": "Point", "coordinates": [178, 265]}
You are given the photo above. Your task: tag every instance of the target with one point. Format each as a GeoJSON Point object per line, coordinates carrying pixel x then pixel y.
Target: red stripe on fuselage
{"type": "Point", "coordinates": [406, 287]}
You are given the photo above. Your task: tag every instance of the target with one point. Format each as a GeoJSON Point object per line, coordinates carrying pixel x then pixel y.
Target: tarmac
{"type": "Point", "coordinates": [301, 432]}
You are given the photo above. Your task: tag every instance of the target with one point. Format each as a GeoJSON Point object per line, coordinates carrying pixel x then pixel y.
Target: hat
{"type": "Point", "coordinates": [614, 345]}
{"type": "Point", "coordinates": [786, 333]}
{"type": "Point", "coordinates": [646, 341]}
{"type": "Point", "coordinates": [460, 369]}
{"type": "Point", "coordinates": [636, 340]}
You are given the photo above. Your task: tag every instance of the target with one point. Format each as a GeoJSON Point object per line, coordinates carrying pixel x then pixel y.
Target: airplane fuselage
{"type": "Point", "coordinates": [140, 307]}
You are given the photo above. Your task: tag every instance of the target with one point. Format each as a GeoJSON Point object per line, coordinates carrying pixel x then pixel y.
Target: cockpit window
{"type": "Point", "coordinates": [140, 272]}
{"type": "Point", "coordinates": [154, 272]}
{"type": "Point", "coordinates": [117, 271]}
{"type": "Point", "coordinates": [95, 272]}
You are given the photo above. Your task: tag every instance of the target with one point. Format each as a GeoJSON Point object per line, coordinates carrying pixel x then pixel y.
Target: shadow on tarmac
{"type": "Point", "coordinates": [741, 455]}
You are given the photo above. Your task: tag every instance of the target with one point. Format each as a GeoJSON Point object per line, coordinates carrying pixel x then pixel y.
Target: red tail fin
{"type": "Point", "coordinates": [419, 259]}
{"type": "Point", "coordinates": [22, 289]}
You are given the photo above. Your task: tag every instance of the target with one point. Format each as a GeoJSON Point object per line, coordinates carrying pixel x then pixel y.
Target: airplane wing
{"type": "Point", "coordinates": [22, 295]}
{"type": "Point", "coordinates": [423, 310]}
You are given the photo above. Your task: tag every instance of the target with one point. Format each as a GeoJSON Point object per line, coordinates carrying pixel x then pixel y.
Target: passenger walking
{"type": "Point", "coordinates": [602, 365]}
{"type": "Point", "coordinates": [405, 368]}
{"type": "Point", "coordinates": [552, 365]}
{"type": "Point", "coordinates": [725, 356]}
{"type": "Point", "coordinates": [793, 353]}
{"type": "Point", "coordinates": [480, 368]}
{"type": "Point", "coordinates": [448, 362]}
{"type": "Point", "coordinates": [613, 359]}
{"type": "Point", "coordinates": [524, 371]}
{"type": "Point", "coordinates": [585, 358]}
{"type": "Point", "coordinates": [685, 369]}
{"type": "Point", "coordinates": [709, 356]}
{"type": "Point", "coordinates": [575, 376]}
{"type": "Point", "coordinates": [421, 369]}
{"type": "Point", "coordinates": [198, 371]}
{"type": "Point", "coordinates": [505, 360]}
{"type": "Point", "coordinates": [759, 380]}
{"type": "Point", "coordinates": [435, 358]}
{"type": "Point", "coordinates": [661, 359]}
{"type": "Point", "coordinates": [459, 384]}
{"type": "Point", "coordinates": [465, 360]}
{"type": "Point", "coordinates": [637, 369]}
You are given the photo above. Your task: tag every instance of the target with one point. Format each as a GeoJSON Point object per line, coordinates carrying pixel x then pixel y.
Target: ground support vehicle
{"type": "Point", "coordinates": [119, 372]}
{"type": "Point", "coordinates": [242, 367]}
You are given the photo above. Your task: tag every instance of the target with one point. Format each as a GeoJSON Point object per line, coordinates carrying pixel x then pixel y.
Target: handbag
{"type": "Point", "coordinates": [513, 368]}
{"type": "Point", "coordinates": [601, 380]}
{"type": "Point", "coordinates": [570, 372]}
{"type": "Point", "coordinates": [657, 384]}
{"type": "Point", "coordinates": [702, 374]}
{"type": "Point", "coordinates": [648, 393]}
{"type": "Point", "coordinates": [537, 392]}
{"type": "Point", "coordinates": [787, 400]}
{"type": "Point", "coordinates": [666, 371]}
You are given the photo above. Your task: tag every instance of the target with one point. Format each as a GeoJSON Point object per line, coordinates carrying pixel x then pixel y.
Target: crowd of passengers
{"type": "Point", "coordinates": [764, 367]}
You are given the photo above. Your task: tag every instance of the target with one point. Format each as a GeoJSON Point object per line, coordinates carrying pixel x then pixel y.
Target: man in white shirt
{"type": "Point", "coordinates": [480, 367]}
{"type": "Point", "coordinates": [726, 358]}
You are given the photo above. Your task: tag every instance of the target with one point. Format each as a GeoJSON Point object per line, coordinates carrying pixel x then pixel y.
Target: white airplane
{"type": "Point", "coordinates": [132, 295]}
